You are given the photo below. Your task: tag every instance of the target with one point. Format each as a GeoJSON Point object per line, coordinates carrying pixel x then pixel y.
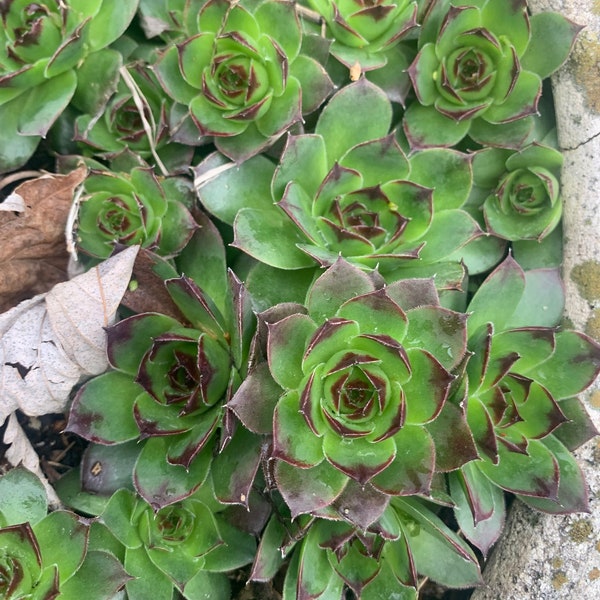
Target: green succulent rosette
{"type": "Point", "coordinates": [363, 375]}
{"type": "Point", "coordinates": [348, 191]}
{"type": "Point", "coordinates": [134, 208]}
{"type": "Point", "coordinates": [174, 367]}
{"type": "Point", "coordinates": [366, 35]}
{"type": "Point", "coordinates": [479, 71]}
{"type": "Point", "coordinates": [134, 127]}
{"type": "Point", "coordinates": [49, 52]}
{"type": "Point", "coordinates": [243, 76]}
{"type": "Point", "coordinates": [379, 558]}
{"type": "Point", "coordinates": [186, 546]}
{"type": "Point", "coordinates": [518, 192]}
{"type": "Point", "coordinates": [46, 556]}
{"type": "Point", "coordinates": [521, 408]}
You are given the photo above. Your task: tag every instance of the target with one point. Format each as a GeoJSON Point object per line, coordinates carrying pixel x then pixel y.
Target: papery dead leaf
{"type": "Point", "coordinates": [33, 256]}
{"type": "Point", "coordinates": [49, 343]}
{"type": "Point", "coordinates": [21, 452]}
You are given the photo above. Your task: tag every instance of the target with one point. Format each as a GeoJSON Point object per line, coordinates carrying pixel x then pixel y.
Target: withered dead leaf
{"type": "Point", "coordinates": [33, 256]}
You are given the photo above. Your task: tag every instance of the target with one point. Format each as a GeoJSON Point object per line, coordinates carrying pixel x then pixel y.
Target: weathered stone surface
{"type": "Point", "coordinates": [545, 557]}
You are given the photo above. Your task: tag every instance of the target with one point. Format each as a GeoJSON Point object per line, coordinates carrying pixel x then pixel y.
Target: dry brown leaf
{"type": "Point", "coordinates": [50, 342]}
{"type": "Point", "coordinates": [33, 256]}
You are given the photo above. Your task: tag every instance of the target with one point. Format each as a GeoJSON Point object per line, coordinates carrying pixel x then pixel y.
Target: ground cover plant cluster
{"type": "Point", "coordinates": [325, 343]}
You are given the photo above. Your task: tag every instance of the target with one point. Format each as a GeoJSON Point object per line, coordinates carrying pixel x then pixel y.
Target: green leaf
{"type": "Point", "coordinates": [279, 20]}
{"type": "Point", "coordinates": [167, 71]}
{"type": "Point", "coordinates": [307, 490]}
{"type": "Point", "coordinates": [385, 585]}
{"type": "Point", "coordinates": [285, 110]}
{"type": "Point", "coordinates": [103, 409]}
{"type": "Point", "coordinates": [86, 579]}
{"type": "Point", "coordinates": [118, 515]}
{"type": "Point", "coordinates": [23, 497]}
{"type": "Point", "coordinates": [149, 581]}
{"type": "Point", "coordinates": [437, 551]}
{"type": "Point", "coordinates": [357, 113]}
{"type": "Point", "coordinates": [62, 537]}
{"type": "Point", "coordinates": [542, 57]}
{"type": "Point", "coordinates": [506, 135]}
{"type": "Point", "coordinates": [314, 81]}
{"type": "Point", "coordinates": [315, 573]}
{"type": "Point", "coordinates": [248, 185]}
{"type": "Point", "coordinates": [110, 22]}
{"type": "Point", "coordinates": [510, 21]}
{"type": "Point", "coordinates": [425, 127]}
{"type": "Point", "coordinates": [238, 549]}
{"type": "Point", "coordinates": [42, 105]}
{"type": "Point", "coordinates": [533, 474]}
{"type": "Point", "coordinates": [15, 149]}
{"type": "Point", "coordinates": [270, 236]}
{"type": "Point", "coordinates": [92, 93]}
{"type": "Point", "coordinates": [533, 345]}
{"type": "Point", "coordinates": [497, 298]}
{"type": "Point", "coordinates": [447, 172]}
{"type": "Point", "coordinates": [268, 556]}
{"type": "Point", "coordinates": [161, 483]}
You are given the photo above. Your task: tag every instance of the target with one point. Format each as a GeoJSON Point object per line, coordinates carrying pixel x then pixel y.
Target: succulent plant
{"type": "Point", "coordinates": [381, 560]}
{"type": "Point", "coordinates": [357, 385]}
{"type": "Point", "coordinates": [134, 208]}
{"type": "Point", "coordinates": [172, 374]}
{"type": "Point", "coordinates": [46, 556]}
{"type": "Point", "coordinates": [479, 71]}
{"type": "Point", "coordinates": [243, 76]}
{"type": "Point", "coordinates": [519, 191]}
{"type": "Point", "coordinates": [50, 51]}
{"type": "Point", "coordinates": [185, 546]}
{"type": "Point", "coordinates": [522, 410]}
{"type": "Point", "coordinates": [349, 192]}
{"type": "Point", "coordinates": [134, 125]}
{"type": "Point", "coordinates": [366, 35]}
{"type": "Point", "coordinates": [170, 19]}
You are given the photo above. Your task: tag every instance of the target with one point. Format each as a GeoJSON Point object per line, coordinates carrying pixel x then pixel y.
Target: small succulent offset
{"type": "Point", "coordinates": [358, 392]}
{"type": "Point", "coordinates": [134, 208]}
{"type": "Point", "coordinates": [479, 71]}
{"type": "Point", "coordinates": [186, 546]}
{"type": "Point", "coordinates": [46, 556]}
{"type": "Point", "coordinates": [243, 76]}
{"type": "Point", "coordinates": [519, 192]}
{"type": "Point", "coordinates": [49, 52]}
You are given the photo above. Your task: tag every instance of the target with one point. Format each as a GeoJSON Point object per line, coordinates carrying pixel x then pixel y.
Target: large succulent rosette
{"type": "Point", "coordinates": [479, 71]}
{"type": "Point", "coordinates": [186, 546]}
{"type": "Point", "coordinates": [364, 375]}
{"type": "Point", "coordinates": [347, 191]}
{"type": "Point", "coordinates": [49, 50]}
{"type": "Point", "coordinates": [519, 192]}
{"type": "Point", "coordinates": [134, 208]}
{"type": "Point", "coordinates": [243, 76]}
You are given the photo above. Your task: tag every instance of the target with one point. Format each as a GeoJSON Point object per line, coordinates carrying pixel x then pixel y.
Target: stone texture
{"type": "Point", "coordinates": [544, 557]}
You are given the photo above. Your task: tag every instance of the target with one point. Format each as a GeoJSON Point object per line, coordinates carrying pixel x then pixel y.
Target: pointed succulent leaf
{"type": "Point", "coordinates": [498, 297]}
{"type": "Point", "coordinates": [110, 22]}
{"type": "Point", "coordinates": [535, 473]}
{"type": "Point", "coordinates": [533, 345]}
{"type": "Point", "coordinates": [370, 111]}
{"type": "Point", "coordinates": [293, 440]}
{"type": "Point", "coordinates": [437, 551]}
{"type": "Point", "coordinates": [361, 506]}
{"type": "Point", "coordinates": [356, 569]}
{"type": "Point", "coordinates": [287, 342]}
{"type": "Point", "coordinates": [248, 185]}
{"type": "Point", "coordinates": [572, 489]}
{"type": "Point", "coordinates": [579, 428]}
{"type": "Point", "coordinates": [511, 21]}
{"type": "Point", "coordinates": [269, 558]}
{"type": "Point", "coordinates": [315, 83]}
{"type": "Point", "coordinates": [483, 533]}
{"type": "Point", "coordinates": [539, 412]}
{"type": "Point", "coordinates": [160, 483]}
{"type": "Point", "coordinates": [579, 355]}
{"type": "Point", "coordinates": [308, 490]}
{"type": "Point", "coordinates": [304, 160]}
{"type": "Point", "coordinates": [339, 283]}
{"type": "Point", "coordinates": [148, 580]}
{"type": "Point", "coordinates": [184, 447]}
{"type": "Point", "coordinates": [23, 497]}
{"type": "Point", "coordinates": [267, 235]}
{"type": "Point", "coordinates": [118, 515]}
{"type": "Point", "coordinates": [379, 161]}
{"type": "Point", "coordinates": [543, 58]}
{"type": "Point", "coordinates": [447, 172]}
{"type": "Point", "coordinates": [505, 135]}
{"type": "Point", "coordinates": [411, 470]}
{"type": "Point", "coordinates": [102, 421]}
